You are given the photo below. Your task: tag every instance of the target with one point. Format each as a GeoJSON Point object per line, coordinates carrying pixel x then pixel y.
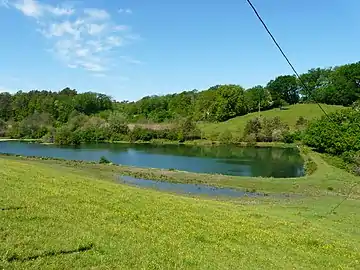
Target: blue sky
{"type": "Point", "coordinates": [132, 48]}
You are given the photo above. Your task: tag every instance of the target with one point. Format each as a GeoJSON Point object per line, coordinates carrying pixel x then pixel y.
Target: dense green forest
{"type": "Point", "coordinates": [69, 117]}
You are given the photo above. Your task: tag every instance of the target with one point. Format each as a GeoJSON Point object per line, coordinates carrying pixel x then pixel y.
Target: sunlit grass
{"type": "Point", "coordinates": [59, 216]}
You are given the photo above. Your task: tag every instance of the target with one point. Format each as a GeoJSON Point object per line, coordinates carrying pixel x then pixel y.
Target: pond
{"type": "Point", "coordinates": [228, 160]}
{"type": "Point", "coordinates": [192, 189]}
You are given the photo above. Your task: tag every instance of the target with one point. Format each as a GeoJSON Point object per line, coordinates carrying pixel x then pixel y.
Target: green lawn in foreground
{"type": "Point", "coordinates": [50, 209]}
{"type": "Point", "coordinates": [290, 116]}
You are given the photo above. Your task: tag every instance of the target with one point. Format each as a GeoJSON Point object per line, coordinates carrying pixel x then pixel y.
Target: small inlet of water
{"type": "Point", "coordinates": [194, 189]}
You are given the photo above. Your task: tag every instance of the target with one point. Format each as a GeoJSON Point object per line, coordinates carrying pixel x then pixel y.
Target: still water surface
{"type": "Point", "coordinates": [230, 160]}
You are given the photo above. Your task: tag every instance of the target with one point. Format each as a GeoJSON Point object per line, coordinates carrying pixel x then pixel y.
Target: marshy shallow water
{"type": "Point", "coordinates": [227, 160]}
{"type": "Point", "coordinates": [192, 189]}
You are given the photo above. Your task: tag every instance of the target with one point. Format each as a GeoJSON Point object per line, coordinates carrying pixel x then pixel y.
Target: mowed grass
{"type": "Point", "coordinates": [55, 216]}
{"type": "Point", "coordinates": [290, 115]}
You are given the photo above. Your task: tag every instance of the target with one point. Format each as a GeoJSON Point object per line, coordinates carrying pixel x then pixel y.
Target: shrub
{"type": "Point", "coordinates": [213, 136]}
{"type": "Point", "coordinates": [187, 130]}
{"type": "Point", "coordinates": [226, 137]}
{"type": "Point", "coordinates": [3, 127]}
{"type": "Point", "coordinates": [142, 134]}
{"type": "Point", "coordinates": [64, 136]}
{"type": "Point", "coordinates": [356, 170]}
{"type": "Point", "coordinates": [266, 130]}
{"type": "Point", "coordinates": [119, 137]}
{"type": "Point", "coordinates": [277, 135]}
{"type": "Point", "coordinates": [236, 139]}
{"type": "Point", "coordinates": [104, 160]}
{"type": "Point", "coordinates": [289, 137]}
{"type": "Point", "coordinates": [301, 123]}
{"type": "Point", "coordinates": [48, 138]}
{"type": "Point", "coordinates": [117, 124]}
{"type": "Point", "coordinates": [253, 126]}
{"type": "Point", "coordinates": [337, 135]}
{"type": "Point", "coordinates": [250, 139]}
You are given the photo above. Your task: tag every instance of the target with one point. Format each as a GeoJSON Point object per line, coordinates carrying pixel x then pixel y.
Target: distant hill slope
{"type": "Point", "coordinates": [289, 115]}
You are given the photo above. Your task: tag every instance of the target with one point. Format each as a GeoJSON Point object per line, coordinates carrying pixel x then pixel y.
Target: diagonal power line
{"type": "Point", "coordinates": [303, 84]}
{"type": "Point", "coordinates": [284, 55]}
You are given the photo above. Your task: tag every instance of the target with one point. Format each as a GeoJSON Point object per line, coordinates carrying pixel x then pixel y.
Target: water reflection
{"type": "Point", "coordinates": [231, 160]}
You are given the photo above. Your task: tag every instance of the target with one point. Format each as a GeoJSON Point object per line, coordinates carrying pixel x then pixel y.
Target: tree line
{"type": "Point", "coordinates": [57, 105]}
{"type": "Point", "coordinates": [69, 117]}
{"type": "Point", "coordinates": [337, 86]}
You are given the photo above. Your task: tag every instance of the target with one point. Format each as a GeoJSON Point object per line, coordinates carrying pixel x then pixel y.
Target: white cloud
{"type": "Point", "coordinates": [91, 66]}
{"type": "Point", "coordinates": [126, 10]}
{"type": "Point", "coordinates": [33, 8]}
{"type": "Point", "coordinates": [114, 41]}
{"type": "Point", "coordinates": [60, 11]}
{"type": "Point", "coordinates": [121, 28]}
{"type": "Point", "coordinates": [30, 8]}
{"type": "Point", "coordinates": [61, 29]}
{"type": "Point", "coordinates": [94, 29]}
{"type": "Point", "coordinates": [82, 52]}
{"type": "Point", "coordinates": [85, 38]}
{"type": "Point", "coordinates": [4, 3]}
{"type": "Point", "coordinates": [97, 14]}
{"type": "Point", "coordinates": [130, 60]}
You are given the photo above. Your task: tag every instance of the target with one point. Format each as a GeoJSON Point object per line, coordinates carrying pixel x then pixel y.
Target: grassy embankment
{"type": "Point", "coordinates": [290, 115]}
{"type": "Point", "coordinates": [69, 215]}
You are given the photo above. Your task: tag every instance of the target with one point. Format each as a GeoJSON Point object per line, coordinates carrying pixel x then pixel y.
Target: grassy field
{"type": "Point", "coordinates": [68, 215]}
{"type": "Point", "coordinates": [289, 116]}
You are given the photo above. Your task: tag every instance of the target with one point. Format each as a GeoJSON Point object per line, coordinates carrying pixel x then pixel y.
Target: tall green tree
{"type": "Point", "coordinates": [3, 127]}
{"type": "Point", "coordinates": [20, 106]}
{"type": "Point", "coordinates": [345, 85]}
{"type": "Point", "coordinates": [284, 88]}
{"type": "Point", "coordinates": [5, 106]}
{"type": "Point", "coordinates": [256, 96]}
{"type": "Point", "coordinates": [90, 103]}
{"type": "Point", "coordinates": [230, 102]}
{"type": "Point", "coordinates": [317, 80]}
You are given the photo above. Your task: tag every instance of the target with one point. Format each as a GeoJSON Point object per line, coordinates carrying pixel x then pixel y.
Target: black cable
{"type": "Point", "coordinates": [303, 84]}
{"type": "Point", "coordinates": [284, 55]}
{"type": "Point", "coordinates": [346, 197]}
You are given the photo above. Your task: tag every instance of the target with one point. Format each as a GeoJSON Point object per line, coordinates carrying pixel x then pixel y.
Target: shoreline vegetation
{"type": "Point", "coordinates": [168, 142]}
{"type": "Point", "coordinates": [295, 185]}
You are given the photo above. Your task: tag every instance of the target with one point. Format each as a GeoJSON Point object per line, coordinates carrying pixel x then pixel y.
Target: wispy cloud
{"type": "Point", "coordinates": [121, 28]}
{"type": "Point", "coordinates": [97, 14]}
{"type": "Point", "coordinates": [84, 38]}
{"type": "Point", "coordinates": [29, 8]}
{"type": "Point", "coordinates": [130, 60]}
{"type": "Point", "coordinates": [33, 8]}
{"type": "Point", "coordinates": [4, 3]}
{"type": "Point", "coordinates": [126, 10]}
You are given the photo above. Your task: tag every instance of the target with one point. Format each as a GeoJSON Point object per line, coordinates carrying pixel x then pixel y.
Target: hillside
{"type": "Point", "coordinates": [290, 115]}
{"type": "Point", "coordinates": [55, 216]}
